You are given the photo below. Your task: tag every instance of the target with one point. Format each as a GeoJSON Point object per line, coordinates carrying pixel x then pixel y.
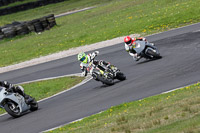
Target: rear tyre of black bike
{"type": "Point", "coordinates": [105, 80]}
{"type": "Point", "coordinates": [120, 76]}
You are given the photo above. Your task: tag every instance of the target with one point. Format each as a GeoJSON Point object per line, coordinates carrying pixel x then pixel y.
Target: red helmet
{"type": "Point", "coordinates": [128, 40]}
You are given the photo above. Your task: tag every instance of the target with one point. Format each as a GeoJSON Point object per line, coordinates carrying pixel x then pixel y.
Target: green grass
{"type": "Point", "coordinates": [56, 9]}
{"type": "Point", "coordinates": [114, 19]}
{"type": "Point", "coordinates": [42, 89]}
{"type": "Point", "coordinates": [174, 112]}
{"type": "Point", "coordinates": [17, 3]}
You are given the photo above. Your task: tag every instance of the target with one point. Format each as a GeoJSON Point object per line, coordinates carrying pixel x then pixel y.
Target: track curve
{"type": "Point", "coordinates": [179, 66]}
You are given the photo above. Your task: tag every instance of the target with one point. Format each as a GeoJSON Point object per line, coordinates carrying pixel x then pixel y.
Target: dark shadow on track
{"type": "Point", "coordinates": [148, 60]}
{"type": "Point", "coordinates": [106, 86]}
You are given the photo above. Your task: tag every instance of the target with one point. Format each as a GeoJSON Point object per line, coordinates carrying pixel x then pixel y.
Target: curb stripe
{"type": "Point", "coordinates": [104, 110]}
{"type": "Point", "coordinates": [88, 78]}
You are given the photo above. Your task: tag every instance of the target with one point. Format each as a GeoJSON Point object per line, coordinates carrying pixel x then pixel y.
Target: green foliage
{"type": "Point", "coordinates": [113, 19]}
{"type": "Point", "coordinates": [43, 89]}
{"type": "Point", "coordinates": [47, 88]}
{"type": "Point", "coordinates": [17, 3]}
{"type": "Point", "coordinates": [177, 111]}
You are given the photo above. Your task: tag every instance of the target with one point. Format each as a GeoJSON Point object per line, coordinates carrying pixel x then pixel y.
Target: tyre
{"type": "Point", "coordinates": [37, 25]}
{"type": "Point", "coordinates": [12, 109]}
{"type": "Point", "coordinates": [105, 80]}
{"type": "Point", "coordinates": [34, 105]}
{"type": "Point", "coordinates": [5, 2]}
{"type": "Point", "coordinates": [154, 54]}
{"type": "Point", "coordinates": [44, 23]}
{"type": "Point", "coordinates": [51, 20]}
{"type": "Point", "coordinates": [30, 26]}
{"type": "Point", "coordinates": [21, 29]}
{"type": "Point", "coordinates": [1, 36]}
{"type": "Point", "coordinates": [120, 76]}
{"type": "Point", "coordinates": [9, 32]}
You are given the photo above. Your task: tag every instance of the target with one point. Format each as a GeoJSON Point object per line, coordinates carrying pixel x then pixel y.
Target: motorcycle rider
{"type": "Point", "coordinates": [130, 45]}
{"type": "Point", "coordinates": [16, 89]}
{"type": "Point", "coordinates": [86, 59]}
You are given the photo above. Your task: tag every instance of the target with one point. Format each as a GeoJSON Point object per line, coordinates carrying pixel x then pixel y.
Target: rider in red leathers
{"type": "Point", "coordinates": [130, 44]}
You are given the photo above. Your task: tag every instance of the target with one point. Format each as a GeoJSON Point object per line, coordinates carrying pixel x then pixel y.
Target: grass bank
{"type": "Point", "coordinates": [17, 3]}
{"type": "Point", "coordinates": [42, 89]}
{"type": "Point", "coordinates": [56, 9]}
{"type": "Point", "coordinates": [174, 112]}
{"type": "Point", "coordinates": [113, 19]}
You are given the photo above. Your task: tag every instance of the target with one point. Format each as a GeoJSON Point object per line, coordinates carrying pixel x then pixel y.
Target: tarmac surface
{"type": "Point", "coordinates": [179, 66]}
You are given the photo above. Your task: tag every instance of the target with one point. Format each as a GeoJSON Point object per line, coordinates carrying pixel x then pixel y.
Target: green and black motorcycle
{"type": "Point", "coordinates": [105, 74]}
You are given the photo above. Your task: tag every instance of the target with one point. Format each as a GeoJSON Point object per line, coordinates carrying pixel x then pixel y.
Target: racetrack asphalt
{"type": "Point", "coordinates": [179, 66]}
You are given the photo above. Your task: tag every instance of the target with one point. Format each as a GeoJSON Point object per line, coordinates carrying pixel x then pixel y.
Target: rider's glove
{"type": "Point", "coordinates": [93, 55]}
{"type": "Point", "coordinates": [96, 53]}
{"type": "Point", "coordinates": [144, 39]}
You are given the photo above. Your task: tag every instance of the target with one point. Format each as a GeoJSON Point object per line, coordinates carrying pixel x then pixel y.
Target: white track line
{"type": "Point", "coordinates": [67, 123]}
{"type": "Point", "coordinates": [102, 111]}
{"type": "Point", "coordinates": [76, 74]}
{"type": "Point", "coordinates": [88, 78]}
{"type": "Point", "coordinates": [72, 12]}
{"type": "Point", "coordinates": [73, 51]}
{"type": "Point", "coordinates": [83, 82]}
{"type": "Point", "coordinates": [146, 36]}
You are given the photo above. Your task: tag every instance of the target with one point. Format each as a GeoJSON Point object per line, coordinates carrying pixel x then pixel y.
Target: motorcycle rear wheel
{"type": "Point", "coordinates": [14, 112]}
{"type": "Point", "coordinates": [105, 80]}
{"type": "Point", "coordinates": [154, 54]}
{"type": "Point", "coordinates": [34, 105]}
{"type": "Point", "coordinates": [120, 76]}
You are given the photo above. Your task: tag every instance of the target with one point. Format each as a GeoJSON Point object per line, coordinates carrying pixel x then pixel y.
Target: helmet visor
{"type": "Point", "coordinates": [129, 42]}
{"type": "Point", "coordinates": [83, 58]}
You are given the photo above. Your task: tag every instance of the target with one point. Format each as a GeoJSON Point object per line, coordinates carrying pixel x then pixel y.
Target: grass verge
{"type": "Point", "coordinates": [174, 112]}
{"type": "Point", "coordinates": [114, 19]}
{"type": "Point", "coordinates": [56, 9]}
{"type": "Point", "coordinates": [43, 89]}
{"type": "Point", "coordinates": [17, 3]}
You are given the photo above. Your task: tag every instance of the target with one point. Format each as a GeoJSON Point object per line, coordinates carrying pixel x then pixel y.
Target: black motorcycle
{"type": "Point", "coordinates": [104, 73]}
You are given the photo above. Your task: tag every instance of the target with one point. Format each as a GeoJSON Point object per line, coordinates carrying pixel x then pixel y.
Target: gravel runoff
{"type": "Point", "coordinates": [65, 53]}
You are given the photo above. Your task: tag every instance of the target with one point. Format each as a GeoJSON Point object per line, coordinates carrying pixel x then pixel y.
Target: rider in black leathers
{"type": "Point", "coordinates": [16, 89]}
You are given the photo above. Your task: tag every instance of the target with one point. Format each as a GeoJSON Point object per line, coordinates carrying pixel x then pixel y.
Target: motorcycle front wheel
{"type": "Point", "coordinates": [154, 54]}
{"type": "Point", "coordinates": [120, 76]}
{"type": "Point", "coordinates": [12, 109]}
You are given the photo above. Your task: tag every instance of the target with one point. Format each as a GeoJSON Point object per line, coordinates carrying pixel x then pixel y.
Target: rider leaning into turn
{"type": "Point", "coordinates": [130, 44]}
{"type": "Point", "coordinates": [86, 59]}
{"type": "Point", "coordinates": [16, 89]}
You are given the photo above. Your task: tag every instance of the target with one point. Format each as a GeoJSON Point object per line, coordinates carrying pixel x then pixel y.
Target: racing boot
{"type": "Point", "coordinates": [138, 58]}
{"type": "Point", "coordinates": [28, 99]}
